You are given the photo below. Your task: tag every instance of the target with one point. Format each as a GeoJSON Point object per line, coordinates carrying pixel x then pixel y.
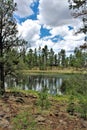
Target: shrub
{"type": "Point", "coordinates": [71, 105]}
{"type": "Point", "coordinates": [83, 107]}
{"type": "Point", "coordinates": [43, 99]}
{"type": "Point", "coordinates": [76, 84]}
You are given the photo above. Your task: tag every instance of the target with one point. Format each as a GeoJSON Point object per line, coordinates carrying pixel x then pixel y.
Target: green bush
{"type": "Point", "coordinates": [71, 105]}
{"type": "Point", "coordinates": [43, 101]}
{"type": "Point", "coordinates": [76, 85]}
{"type": "Point", "coordinates": [83, 107]}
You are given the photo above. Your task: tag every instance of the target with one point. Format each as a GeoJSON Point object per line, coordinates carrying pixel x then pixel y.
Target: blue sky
{"type": "Point", "coordinates": [48, 22]}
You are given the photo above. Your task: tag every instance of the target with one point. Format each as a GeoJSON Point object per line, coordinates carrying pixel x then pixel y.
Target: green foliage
{"type": "Point", "coordinates": [79, 9]}
{"type": "Point", "coordinates": [21, 65]}
{"type": "Point", "coordinates": [71, 105]}
{"type": "Point", "coordinates": [44, 58]}
{"type": "Point", "coordinates": [1, 91]}
{"type": "Point", "coordinates": [76, 84]}
{"type": "Point", "coordinates": [82, 109]}
{"type": "Point", "coordinates": [63, 55]}
{"type": "Point", "coordinates": [9, 42]}
{"type": "Point", "coordinates": [24, 121]}
{"type": "Point", "coordinates": [43, 101]}
{"type": "Point", "coordinates": [78, 104]}
{"type": "Point", "coordinates": [76, 87]}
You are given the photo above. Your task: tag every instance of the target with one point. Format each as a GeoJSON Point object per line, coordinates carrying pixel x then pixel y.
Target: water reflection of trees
{"type": "Point", "coordinates": [52, 84]}
{"type": "Point", "coordinates": [37, 83]}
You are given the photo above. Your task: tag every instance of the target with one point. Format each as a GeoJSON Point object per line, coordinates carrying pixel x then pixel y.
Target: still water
{"type": "Point", "coordinates": [37, 83]}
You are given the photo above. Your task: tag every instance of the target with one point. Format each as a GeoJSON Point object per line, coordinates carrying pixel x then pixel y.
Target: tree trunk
{"type": "Point", "coordinates": [2, 87]}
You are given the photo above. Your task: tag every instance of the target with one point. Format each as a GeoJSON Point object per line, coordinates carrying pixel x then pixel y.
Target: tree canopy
{"type": "Point", "coordinates": [79, 8]}
{"type": "Point", "coordinates": [8, 39]}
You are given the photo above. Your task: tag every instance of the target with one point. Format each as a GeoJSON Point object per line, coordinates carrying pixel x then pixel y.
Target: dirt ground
{"type": "Point", "coordinates": [54, 118]}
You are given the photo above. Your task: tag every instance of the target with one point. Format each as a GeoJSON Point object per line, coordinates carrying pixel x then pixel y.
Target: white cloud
{"type": "Point", "coordinates": [54, 12]}
{"type": "Point", "coordinates": [70, 39]}
{"type": "Point", "coordinates": [23, 8]}
{"type": "Point", "coordinates": [60, 30]}
{"type": "Point", "coordinates": [70, 42]}
{"type": "Point", "coordinates": [29, 30]}
{"type": "Point", "coordinates": [54, 15]}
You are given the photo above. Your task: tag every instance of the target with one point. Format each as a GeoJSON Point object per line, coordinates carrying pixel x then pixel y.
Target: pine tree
{"type": "Point", "coordinates": [79, 8]}
{"type": "Point", "coordinates": [8, 37]}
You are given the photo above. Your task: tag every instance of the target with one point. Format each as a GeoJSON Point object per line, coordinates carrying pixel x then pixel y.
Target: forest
{"type": "Point", "coordinates": [44, 59]}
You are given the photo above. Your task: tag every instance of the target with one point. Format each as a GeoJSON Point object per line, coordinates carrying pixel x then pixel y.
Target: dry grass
{"type": "Point", "coordinates": [54, 70]}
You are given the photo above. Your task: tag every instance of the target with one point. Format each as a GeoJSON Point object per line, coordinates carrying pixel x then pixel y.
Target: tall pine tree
{"type": "Point", "coordinates": [8, 36]}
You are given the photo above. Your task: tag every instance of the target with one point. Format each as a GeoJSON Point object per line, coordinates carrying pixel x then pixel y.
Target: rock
{"type": "Point", "coordinates": [7, 117]}
{"type": "Point", "coordinates": [62, 122]}
{"type": "Point", "coordinates": [51, 114]}
{"type": "Point", "coordinates": [56, 114]}
{"type": "Point", "coordinates": [32, 96]}
{"type": "Point", "coordinates": [20, 100]}
{"type": "Point", "coordinates": [2, 114]}
{"type": "Point", "coordinates": [49, 121]}
{"type": "Point", "coordinates": [40, 119]}
{"type": "Point", "coordinates": [41, 123]}
{"type": "Point", "coordinates": [4, 123]}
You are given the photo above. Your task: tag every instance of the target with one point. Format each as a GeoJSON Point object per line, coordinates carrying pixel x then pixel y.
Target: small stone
{"type": "Point", "coordinates": [51, 114]}
{"type": "Point", "coordinates": [4, 123]}
{"type": "Point", "coordinates": [61, 121]}
{"type": "Point", "coordinates": [40, 119]}
{"type": "Point", "coordinates": [32, 96]}
{"type": "Point", "coordinates": [56, 114]}
{"type": "Point", "coordinates": [2, 114]}
{"type": "Point", "coordinates": [49, 122]}
{"type": "Point", "coordinates": [20, 100]}
{"type": "Point", "coordinates": [7, 117]}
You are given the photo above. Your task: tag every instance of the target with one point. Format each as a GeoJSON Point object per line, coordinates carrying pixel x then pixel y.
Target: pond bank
{"type": "Point", "coordinates": [55, 71]}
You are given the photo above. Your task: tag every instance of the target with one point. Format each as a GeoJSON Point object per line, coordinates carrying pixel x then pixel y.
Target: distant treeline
{"type": "Point", "coordinates": [43, 58]}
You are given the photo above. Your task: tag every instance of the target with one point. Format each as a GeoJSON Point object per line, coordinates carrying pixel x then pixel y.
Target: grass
{"type": "Point", "coordinates": [54, 71]}
{"type": "Point", "coordinates": [30, 92]}
{"type": "Point", "coordinates": [24, 120]}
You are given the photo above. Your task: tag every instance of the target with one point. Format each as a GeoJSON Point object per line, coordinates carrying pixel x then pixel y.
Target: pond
{"type": "Point", "coordinates": [37, 83]}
